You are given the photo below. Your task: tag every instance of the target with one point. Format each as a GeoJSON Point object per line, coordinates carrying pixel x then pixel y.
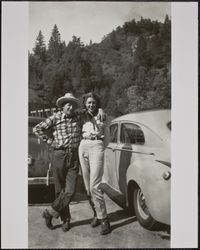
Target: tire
{"type": "Point", "coordinates": [141, 210]}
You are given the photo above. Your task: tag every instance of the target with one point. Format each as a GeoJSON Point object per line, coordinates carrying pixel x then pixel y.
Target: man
{"type": "Point", "coordinates": [65, 139]}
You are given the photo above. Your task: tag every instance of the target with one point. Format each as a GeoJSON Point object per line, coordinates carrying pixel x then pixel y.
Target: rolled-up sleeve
{"type": "Point", "coordinates": [41, 129]}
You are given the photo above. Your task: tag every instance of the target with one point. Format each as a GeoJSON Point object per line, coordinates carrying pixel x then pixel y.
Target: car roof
{"type": "Point", "coordinates": [154, 119]}
{"type": "Point", "coordinates": [35, 119]}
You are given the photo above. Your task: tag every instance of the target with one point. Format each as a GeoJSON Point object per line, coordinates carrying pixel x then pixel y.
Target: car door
{"type": "Point", "coordinates": [38, 152]}
{"type": "Point", "coordinates": [131, 145]}
{"type": "Point", "coordinates": [110, 174]}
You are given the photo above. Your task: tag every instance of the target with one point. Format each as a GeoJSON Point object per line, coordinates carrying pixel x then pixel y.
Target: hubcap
{"type": "Point", "coordinates": [142, 208]}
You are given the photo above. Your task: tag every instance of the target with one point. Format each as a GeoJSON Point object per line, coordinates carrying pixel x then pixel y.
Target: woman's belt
{"type": "Point", "coordinates": [93, 138]}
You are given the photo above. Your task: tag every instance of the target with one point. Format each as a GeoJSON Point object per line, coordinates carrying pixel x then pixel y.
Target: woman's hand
{"type": "Point", "coordinates": [101, 115]}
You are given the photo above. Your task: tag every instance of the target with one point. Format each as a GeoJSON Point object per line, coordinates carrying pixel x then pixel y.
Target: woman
{"type": "Point", "coordinates": [91, 155]}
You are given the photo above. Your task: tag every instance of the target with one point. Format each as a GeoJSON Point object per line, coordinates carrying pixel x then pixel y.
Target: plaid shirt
{"type": "Point", "coordinates": [66, 132]}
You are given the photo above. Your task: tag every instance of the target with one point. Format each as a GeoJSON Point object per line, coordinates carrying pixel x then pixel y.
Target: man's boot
{"type": "Point", "coordinates": [48, 219]}
{"type": "Point", "coordinates": [95, 222]}
{"type": "Point", "coordinates": [105, 226]}
{"type": "Point", "coordinates": [66, 225]}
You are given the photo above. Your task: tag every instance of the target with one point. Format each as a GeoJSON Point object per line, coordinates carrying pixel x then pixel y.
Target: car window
{"type": "Point", "coordinates": [113, 133]}
{"type": "Point", "coordinates": [131, 133]}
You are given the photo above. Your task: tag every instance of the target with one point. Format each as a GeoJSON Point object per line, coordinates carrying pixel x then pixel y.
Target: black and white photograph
{"type": "Point", "coordinates": [89, 58]}
{"type": "Point", "coordinates": [100, 126]}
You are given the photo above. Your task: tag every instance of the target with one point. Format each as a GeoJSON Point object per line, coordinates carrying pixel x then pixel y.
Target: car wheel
{"type": "Point", "coordinates": [141, 210]}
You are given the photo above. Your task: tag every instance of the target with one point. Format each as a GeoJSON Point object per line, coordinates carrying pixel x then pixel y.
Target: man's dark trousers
{"type": "Point", "coordinates": [65, 166]}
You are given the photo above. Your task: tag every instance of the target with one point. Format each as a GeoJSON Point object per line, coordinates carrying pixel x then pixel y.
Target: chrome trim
{"type": "Point", "coordinates": [39, 180]}
{"type": "Point", "coordinates": [129, 150]}
{"type": "Point", "coordinates": [168, 164]}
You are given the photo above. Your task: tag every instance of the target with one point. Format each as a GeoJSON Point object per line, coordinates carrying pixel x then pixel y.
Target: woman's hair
{"type": "Point", "coordinates": [92, 95]}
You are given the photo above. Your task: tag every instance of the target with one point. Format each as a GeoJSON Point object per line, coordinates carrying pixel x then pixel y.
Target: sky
{"type": "Point", "coordinates": [88, 20]}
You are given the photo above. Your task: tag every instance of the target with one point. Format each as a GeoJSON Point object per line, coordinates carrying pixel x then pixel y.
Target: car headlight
{"type": "Point", "coordinates": [30, 160]}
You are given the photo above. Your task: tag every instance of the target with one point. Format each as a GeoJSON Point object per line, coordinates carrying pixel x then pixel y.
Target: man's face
{"type": "Point", "coordinates": [69, 107]}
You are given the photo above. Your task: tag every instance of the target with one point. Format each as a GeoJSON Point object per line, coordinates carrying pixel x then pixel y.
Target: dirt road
{"type": "Point", "coordinates": [126, 231]}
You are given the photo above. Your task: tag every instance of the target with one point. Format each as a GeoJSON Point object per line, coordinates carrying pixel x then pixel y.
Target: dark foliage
{"type": "Point", "coordinates": [129, 69]}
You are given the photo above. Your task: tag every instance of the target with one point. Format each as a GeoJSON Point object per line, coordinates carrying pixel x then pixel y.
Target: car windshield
{"type": "Point", "coordinates": [169, 125]}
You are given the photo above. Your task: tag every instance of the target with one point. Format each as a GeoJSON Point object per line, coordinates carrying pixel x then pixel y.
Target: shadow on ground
{"type": "Point", "coordinates": [113, 217]}
{"type": "Point", "coordinates": [121, 215]}
{"type": "Point", "coordinates": [163, 231]}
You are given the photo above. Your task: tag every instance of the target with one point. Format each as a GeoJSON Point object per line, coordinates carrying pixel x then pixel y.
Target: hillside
{"type": "Point", "coordinates": [129, 68]}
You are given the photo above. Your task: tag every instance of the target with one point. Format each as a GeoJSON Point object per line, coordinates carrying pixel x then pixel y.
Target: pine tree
{"type": "Point", "coordinates": [166, 29]}
{"type": "Point", "coordinates": [55, 46]}
{"type": "Point", "coordinates": [114, 41]}
{"type": "Point", "coordinates": [40, 47]}
{"type": "Point", "coordinates": [156, 27]}
{"type": "Point", "coordinates": [166, 39]}
{"type": "Point", "coordinates": [142, 53]}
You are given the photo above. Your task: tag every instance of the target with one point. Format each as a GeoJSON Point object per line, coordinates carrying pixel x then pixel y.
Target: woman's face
{"type": "Point", "coordinates": [91, 104]}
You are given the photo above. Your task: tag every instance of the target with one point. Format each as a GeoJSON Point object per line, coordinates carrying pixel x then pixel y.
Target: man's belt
{"type": "Point", "coordinates": [65, 149]}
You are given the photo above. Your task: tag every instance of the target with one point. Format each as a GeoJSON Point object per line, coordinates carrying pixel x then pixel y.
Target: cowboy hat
{"type": "Point", "coordinates": [68, 97]}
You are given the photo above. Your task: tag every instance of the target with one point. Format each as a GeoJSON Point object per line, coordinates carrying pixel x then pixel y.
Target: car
{"type": "Point", "coordinates": [40, 180]}
{"type": "Point", "coordinates": [39, 157]}
{"type": "Point", "coordinates": [137, 165]}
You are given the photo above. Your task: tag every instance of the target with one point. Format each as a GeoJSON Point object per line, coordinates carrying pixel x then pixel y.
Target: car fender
{"type": "Point", "coordinates": [150, 176]}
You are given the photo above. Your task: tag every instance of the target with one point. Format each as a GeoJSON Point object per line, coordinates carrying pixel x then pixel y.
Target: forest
{"type": "Point", "coordinates": [130, 69]}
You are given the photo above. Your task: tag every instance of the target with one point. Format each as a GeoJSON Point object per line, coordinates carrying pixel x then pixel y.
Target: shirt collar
{"type": "Point", "coordinates": [90, 115]}
{"type": "Point", "coordinates": [64, 116]}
